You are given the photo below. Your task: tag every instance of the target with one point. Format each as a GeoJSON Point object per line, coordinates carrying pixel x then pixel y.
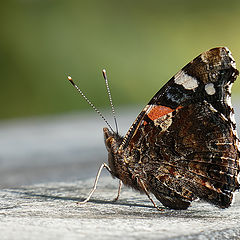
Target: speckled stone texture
{"type": "Point", "coordinates": [49, 211]}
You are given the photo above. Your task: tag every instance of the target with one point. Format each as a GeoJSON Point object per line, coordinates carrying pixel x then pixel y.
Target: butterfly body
{"type": "Point", "coordinates": [183, 145]}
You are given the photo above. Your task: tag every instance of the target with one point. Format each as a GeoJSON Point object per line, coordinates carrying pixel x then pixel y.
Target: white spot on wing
{"type": "Point", "coordinates": [210, 89]}
{"type": "Point", "coordinates": [188, 82]}
{"type": "Point", "coordinates": [227, 99]}
{"type": "Point", "coordinates": [233, 63]}
{"type": "Point", "coordinates": [238, 178]}
{"type": "Point", "coordinates": [232, 117]}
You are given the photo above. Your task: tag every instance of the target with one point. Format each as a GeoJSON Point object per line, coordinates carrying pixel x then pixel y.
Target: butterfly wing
{"type": "Point", "coordinates": [184, 143]}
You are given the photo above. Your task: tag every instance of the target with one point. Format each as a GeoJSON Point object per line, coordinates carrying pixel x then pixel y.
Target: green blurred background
{"type": "Point", "coordinates": [140, 43]}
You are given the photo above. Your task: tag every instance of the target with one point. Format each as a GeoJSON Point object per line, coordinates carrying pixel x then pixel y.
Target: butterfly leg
{"type": "Point", "coordinates": [141, 183]}
{"type": "Point", "coordinates": [104, 165]}
{"type": "Point", "coordinates": [119, 190]}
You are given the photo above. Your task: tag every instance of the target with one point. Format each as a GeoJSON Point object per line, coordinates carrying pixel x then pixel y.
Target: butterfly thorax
{"type": "Point", "coordinates": [119, 165]}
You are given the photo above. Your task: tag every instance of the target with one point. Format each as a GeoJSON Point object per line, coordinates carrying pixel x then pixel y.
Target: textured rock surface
{"type": "Point", "coordinates": [49, 211]}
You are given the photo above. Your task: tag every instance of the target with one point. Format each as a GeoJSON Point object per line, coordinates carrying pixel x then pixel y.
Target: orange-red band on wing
{"type": "Point", "coordinates": [159, 111]}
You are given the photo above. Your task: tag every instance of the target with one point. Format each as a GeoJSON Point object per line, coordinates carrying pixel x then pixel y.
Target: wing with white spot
{"type": "Point", "coordinates": [185, 138]}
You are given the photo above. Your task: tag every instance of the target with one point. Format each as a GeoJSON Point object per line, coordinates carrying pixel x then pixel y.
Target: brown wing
{"type": "Point", "coordinates": [184, 143]}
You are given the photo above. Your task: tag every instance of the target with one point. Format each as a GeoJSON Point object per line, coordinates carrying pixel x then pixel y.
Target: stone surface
{"type": "Point", "coordinates": [49, 211]}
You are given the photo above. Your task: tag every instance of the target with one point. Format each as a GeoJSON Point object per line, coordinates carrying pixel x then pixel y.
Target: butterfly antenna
{"type": "Point", "coordinates": [89, 102]}
{"type": "Point", "coordinates": [110, 98]}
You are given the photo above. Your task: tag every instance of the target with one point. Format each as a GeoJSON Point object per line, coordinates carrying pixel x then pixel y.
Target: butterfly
{"type": "Point", "coordinates": [183, 145]}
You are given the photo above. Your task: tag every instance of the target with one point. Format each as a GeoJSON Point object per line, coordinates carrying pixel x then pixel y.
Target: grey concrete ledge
{"type": "Point", "coordinates": [49, 211]}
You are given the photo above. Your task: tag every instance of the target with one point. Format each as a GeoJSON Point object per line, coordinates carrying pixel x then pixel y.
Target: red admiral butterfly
{"type": "Point", "coordinates": [183, 146]}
